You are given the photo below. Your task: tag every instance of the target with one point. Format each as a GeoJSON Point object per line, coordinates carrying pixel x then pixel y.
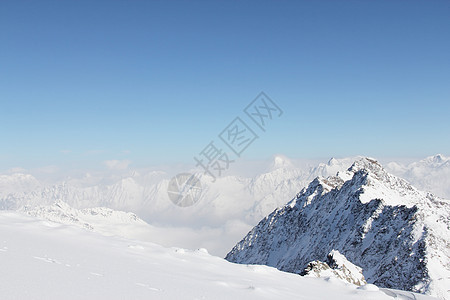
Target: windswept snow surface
{"type": "Point", "coordinates": [47, 260]}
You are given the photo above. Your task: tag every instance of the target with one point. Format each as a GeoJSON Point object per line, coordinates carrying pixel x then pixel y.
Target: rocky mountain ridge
{"type": "Point", "coordinates": [396, 233]}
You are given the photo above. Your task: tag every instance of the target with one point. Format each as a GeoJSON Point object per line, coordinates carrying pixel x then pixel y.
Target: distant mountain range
{"type": "Point", "coordinates": [228, 208]}
{"type": "Point", "coordinates": [430, 174]}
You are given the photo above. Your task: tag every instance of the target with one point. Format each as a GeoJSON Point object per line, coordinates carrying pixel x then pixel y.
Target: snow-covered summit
{"type": "Point", "coordinates": [378, 183]}
{"type": "Point", "coordinates": [17, 182]}
{"type": "Point", "coordinates": [437, 160]}
{"type": "Point", "coordinates": [333, 166]}
{"type": "Point", "coordinates": [397, 234]}
{"type": "Point", "coordinates": [281, 161]}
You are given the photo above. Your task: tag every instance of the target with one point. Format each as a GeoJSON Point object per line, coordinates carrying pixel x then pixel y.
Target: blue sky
{"type": "Point", "coordinates": [154, 82]}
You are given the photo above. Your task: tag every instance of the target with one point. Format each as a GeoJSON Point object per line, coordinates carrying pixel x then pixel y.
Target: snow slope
{"type": "Point", "coordinates": [47, 260]}
{"type": "Point", "coordinates": [399, 235]}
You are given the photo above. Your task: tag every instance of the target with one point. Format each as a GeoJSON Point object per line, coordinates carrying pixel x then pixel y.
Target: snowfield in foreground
{"type": "Point", "coordinates": [47, 260]}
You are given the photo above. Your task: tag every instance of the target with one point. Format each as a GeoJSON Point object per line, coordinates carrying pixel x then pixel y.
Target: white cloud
{"type": "Point", "coordinates": [17, 170]}
{"type": "Point", "coordinates": [117, 164]}
{"type": "Point", "coordinates": [218, 240]}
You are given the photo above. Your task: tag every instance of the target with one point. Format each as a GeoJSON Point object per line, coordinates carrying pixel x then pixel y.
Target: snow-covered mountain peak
{"type": "Point", "coordinates": [333, 166]}
{"type": "Point", "coordinates": [366, 179]}
{"type": "Point", "coordinates": [372, 181]}
{"type": "Point", "coordinates": [435, 161]}
{"type": "Point", "coordinates": [280, 161]}
{"type": "Point", "coordinates": [397, 234]}
{"type": "Point", "coordinates": [367, 163]}
{"type": "Point", "coordinates": [333, 161]}
{"type": "Point", "coordinates": [439, 158]}
{"type": "Point", "coordinates": [17, 181]}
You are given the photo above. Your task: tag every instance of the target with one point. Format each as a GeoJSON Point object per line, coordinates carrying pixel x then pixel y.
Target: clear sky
{"type": "Point", "coordinates": [154, 82]}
